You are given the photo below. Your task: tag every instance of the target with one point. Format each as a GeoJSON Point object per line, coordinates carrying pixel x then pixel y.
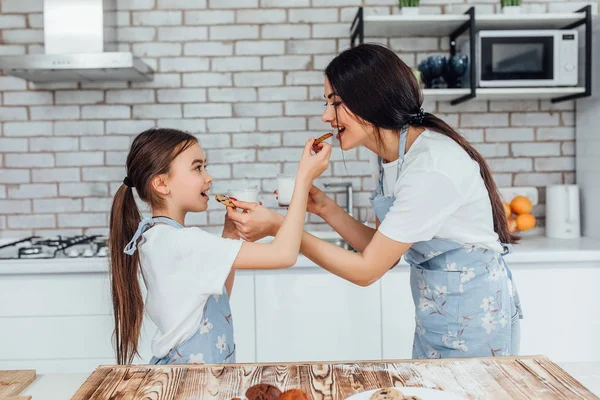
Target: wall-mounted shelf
{"type": "Point", "coordinates": [444, 25]}
{"type": "Point", "coordinates": [444, 94]}
{"type": "Point", "coordinates": [502, 93]}
{"type": "Point", "coordinates": [528, 21]}
{"type": "Point", "coordinates": [453, 25]}
{"type": "Point", "coordinates": [418, 25]}
{"type": "Point", "coordinates": [526, 93]}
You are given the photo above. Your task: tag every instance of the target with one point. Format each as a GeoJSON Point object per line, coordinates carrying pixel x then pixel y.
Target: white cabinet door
{"type": "Point", "coordinates": [242, 310]}
{"type": "Point", "coordinates": [398, 314]}
{"type": "Point", "coordinates": [560, 309]}
{"type": "Point", "coordinates": [309, 314]}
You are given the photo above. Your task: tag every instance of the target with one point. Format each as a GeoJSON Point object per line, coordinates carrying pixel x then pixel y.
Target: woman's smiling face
{"type": "Point", "coordinates": [350, 131]}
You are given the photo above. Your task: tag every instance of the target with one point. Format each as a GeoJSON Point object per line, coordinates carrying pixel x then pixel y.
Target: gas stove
{"type": "Point", "coordinates": [36, 247]}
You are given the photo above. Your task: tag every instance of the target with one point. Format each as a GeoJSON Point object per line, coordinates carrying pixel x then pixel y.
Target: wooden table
{"type": "Point", "coordinates": [13, 382]}
{"type": "Point", "coordinates": [495, 378]}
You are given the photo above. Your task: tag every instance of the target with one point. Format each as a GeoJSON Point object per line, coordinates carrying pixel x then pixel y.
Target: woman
{"type": "Point", "coordinates": [436, 204]}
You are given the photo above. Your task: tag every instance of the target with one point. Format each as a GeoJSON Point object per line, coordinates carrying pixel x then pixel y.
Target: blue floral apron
{"type": "Point", "coordinates": [213, 341]}
{"type": "Point", "coordinates": [465, 302]}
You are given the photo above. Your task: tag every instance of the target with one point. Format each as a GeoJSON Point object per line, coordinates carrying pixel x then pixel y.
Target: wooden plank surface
{"type": "Point", "coordinates": [475, 378]}
{"type": "Point", "coordinates": [13, 382]}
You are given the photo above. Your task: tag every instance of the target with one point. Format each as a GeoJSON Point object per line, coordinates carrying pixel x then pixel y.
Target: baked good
{"type": "Point", "coordinates": [225, 200]}
{"type": "Point", "coordinates": [412, 398]}
{"type": "Point", "coordinates": [387, 394]}
{"type": "Point", "coordinates": [263, 391]}
{"type": "Point", "coordinates": [322, 138]}
{"type": "Point", "coordinates": [294, 394]}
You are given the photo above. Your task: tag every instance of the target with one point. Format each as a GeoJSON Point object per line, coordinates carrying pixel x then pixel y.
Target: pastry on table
{"type": "Point", "coordinates": [388, 394]}
{"type": "Point", "coordinates": [263, 391]}
{"type": "Point", "coordinates": [294, 394]}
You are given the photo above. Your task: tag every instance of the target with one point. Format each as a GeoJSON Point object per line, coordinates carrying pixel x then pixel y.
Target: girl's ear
{"type": "Point", "coordinates": [159, 184]}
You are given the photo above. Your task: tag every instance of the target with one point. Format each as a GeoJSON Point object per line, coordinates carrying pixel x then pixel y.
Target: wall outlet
{"type": "Point", "coordinates": [508, 193]}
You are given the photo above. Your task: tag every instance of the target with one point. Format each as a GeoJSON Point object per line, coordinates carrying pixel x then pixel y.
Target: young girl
{"type": "Point", "coordinates": [187, 271]}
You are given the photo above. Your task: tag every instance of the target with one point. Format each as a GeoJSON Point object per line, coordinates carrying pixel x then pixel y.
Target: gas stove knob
{"type": "Point", "coordinates": [73, 253]}
{"type": "Point", "coordinates": [102, 252]}
{"type": "Point", "coordinates": [88, 252]}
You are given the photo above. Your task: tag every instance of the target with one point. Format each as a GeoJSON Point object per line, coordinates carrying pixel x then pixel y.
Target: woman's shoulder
{"type": "Point", "coordinates": [436, 151]}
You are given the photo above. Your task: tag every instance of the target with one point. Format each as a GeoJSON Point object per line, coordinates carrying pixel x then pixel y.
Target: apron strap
{"type": "Point", "coordinates": [146, 223]}
{"type": "Point", "coordinates": [401, 154]}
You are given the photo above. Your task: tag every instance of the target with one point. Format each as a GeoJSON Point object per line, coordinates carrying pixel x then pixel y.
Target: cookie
{"type": "Point", "coordinates": [387, 394]}
{"type": "Point", "coordinates": [224, 199]}
{"type": "Point", "coordinates": [322, 138]}
{"type": "Point", "coordinates": [412, 398]}
{"type": "Point", "coordinates": [263, 391]}
{"type": "Point", "coordinates": [294, 394]}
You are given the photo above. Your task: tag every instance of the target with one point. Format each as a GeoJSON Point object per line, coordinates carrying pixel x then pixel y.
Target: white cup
{"type": "Point", "coordinates": [285, 188]}
{"type": "Point", "coordinates": [249, 194]}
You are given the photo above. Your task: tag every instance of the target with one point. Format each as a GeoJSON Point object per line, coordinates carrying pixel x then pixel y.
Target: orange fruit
{"type": "Point", "coordinates": [521, 205]}
{"type": "Point", "coordinates": [525, 222]}
{"type": "Point", "coordinates": [512, 225]}
{"type": "Point", "coordinates": [507, 209]}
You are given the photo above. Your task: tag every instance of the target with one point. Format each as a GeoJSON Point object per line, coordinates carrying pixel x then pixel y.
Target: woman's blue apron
{"type": "Point", "coordinates": [465, 302]}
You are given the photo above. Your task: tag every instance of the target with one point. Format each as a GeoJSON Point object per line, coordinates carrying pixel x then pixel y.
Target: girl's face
{"type": "Point", "coordinates": [188, 181]}
{"type": "Point", "coordinates": [351, 133]}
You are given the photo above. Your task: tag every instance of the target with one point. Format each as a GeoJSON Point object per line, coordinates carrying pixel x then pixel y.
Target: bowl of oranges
{"type": "Point", "coordinates": [518, 214]}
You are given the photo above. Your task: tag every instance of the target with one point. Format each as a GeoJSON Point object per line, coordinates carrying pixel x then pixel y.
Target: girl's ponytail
{"type": "Point", "coordinates": [151, 154]}
{"type": "Point", "coordinates": [128, 304]}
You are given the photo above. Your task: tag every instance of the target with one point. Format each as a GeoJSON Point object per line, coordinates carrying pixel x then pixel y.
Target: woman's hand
{"type": "Point", "coordinates": [317, 201]}
{"type": "Point", "coordinates": [255, 222]}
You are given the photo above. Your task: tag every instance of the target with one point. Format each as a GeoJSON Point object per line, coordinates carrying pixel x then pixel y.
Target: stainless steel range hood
{"type": "Point", "coordinates": [80, 42]}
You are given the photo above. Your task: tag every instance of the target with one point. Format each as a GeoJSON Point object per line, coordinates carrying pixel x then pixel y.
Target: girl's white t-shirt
{"type": "Point", "coordinates": [439, 192]}
{"type": "Point", "coordinates": [181, 268]}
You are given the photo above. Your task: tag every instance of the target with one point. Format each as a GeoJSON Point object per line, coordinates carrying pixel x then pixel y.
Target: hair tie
{"type": "Point", "coordinates": [127, 182]}
{"type": "Point", "coordinates": [418, 118]}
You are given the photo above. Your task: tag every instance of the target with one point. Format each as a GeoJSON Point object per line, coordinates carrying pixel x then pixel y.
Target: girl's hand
{"type": "Point", "coordinates": [313, 165]}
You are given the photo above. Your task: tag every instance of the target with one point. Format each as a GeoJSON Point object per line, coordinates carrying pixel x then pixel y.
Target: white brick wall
{"type": "Point", "coordinates": [246, 77]}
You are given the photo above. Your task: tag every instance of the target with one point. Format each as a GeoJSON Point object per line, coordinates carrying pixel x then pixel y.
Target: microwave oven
{"type": "Point", "coordinates": [526, 58]}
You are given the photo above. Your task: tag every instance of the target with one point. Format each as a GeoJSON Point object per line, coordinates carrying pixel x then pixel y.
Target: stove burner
{"type": "Point", "coordinates": [29, 251]}
{"type": "Point", "coordinates": [56, 247]}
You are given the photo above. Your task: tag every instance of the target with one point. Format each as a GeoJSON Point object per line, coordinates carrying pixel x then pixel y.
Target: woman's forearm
{"type": "Point", "coordinates": [357, 234]}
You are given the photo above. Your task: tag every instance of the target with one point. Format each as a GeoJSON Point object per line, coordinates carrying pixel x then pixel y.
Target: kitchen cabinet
{"type": "Point", "coordinates": [62, 322]}
{"type": "Point", "coordinates": [560, 308]}
{"type": "Point", "coordinates": [243, 311]}
{"type": "Point", "coordinates": [309, 314]}
{"type": "Point", "coordinates": [398, 315]}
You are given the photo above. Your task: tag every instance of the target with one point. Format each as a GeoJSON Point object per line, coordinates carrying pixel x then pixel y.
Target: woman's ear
{"type": "Point", "coordinates": [159, 184]}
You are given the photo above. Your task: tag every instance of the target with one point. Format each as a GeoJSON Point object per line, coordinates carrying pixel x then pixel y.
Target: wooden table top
{"type": "Point", "coordinates": [534, 377]}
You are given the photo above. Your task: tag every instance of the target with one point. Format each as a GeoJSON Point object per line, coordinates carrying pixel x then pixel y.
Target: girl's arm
{"type": "Point", "coordinates": [362, 269]}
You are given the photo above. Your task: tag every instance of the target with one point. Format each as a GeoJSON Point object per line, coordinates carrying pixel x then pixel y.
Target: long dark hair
{"type": "Point", "coordinates": [151, 154]}
{"type": "Point", "coordinates": [380, 89]}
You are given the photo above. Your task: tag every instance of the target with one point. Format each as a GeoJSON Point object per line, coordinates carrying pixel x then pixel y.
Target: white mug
{"type": "Point", "coordinates": [562, 212]}
{"type": "Point", "coordinates": [285, 188]}
{"type": "Point", "coordinates": [249, 194]}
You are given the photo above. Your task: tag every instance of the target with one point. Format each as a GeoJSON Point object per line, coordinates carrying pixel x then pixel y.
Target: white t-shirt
{"type": "Point", "coordinates": [181, 268]}
{"type": "Point", "coordinates": [439, 193]}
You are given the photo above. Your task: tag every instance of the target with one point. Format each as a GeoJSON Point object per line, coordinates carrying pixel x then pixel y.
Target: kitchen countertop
{"type": "Point", "coordinates": [534, 249]}
{"type": "Point", "coordinates": [64, 386]}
